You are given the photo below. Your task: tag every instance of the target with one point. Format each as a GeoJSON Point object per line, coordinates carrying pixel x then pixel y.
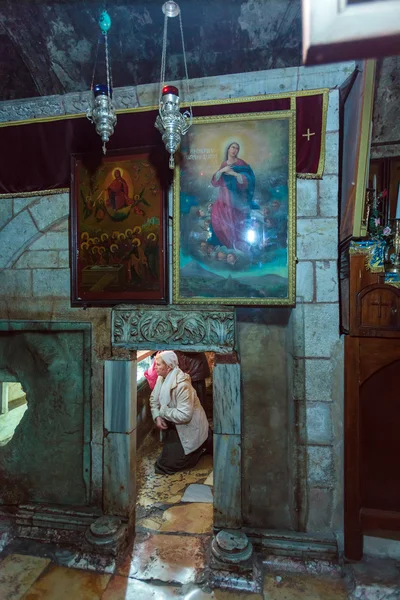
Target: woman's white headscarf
{"type": "Point", "coordinates": [163, 386]}
{"type": "Point", "coordinates": [170, 358]}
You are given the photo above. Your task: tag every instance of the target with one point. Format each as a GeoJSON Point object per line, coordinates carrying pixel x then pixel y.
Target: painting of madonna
{"type": "Point", "coordinates": [235, 222]}
{"type": "Point", "coordinates": [236, 182]}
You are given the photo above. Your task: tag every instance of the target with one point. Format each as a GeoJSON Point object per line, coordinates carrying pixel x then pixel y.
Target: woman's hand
{"type": "Point", "coordinates": [161, 424]}
{"type": "Point", "coordinates": [227, 170]}
{"type": "Point", "coordinates": [230, 171]}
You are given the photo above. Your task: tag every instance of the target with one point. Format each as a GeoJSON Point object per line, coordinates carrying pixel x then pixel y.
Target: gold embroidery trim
{"type": "Point", "coordinates": [291, 95]}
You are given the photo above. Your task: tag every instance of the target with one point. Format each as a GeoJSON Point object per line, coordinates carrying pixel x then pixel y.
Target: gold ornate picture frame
{"type": "Point", "coordinates": [118, 228]}
{"type": "Point", "coordinates": [235, 211]}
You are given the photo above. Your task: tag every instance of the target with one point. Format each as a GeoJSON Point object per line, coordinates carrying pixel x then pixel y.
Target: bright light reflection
{"type": "Point", "coordinates": [251, 236]}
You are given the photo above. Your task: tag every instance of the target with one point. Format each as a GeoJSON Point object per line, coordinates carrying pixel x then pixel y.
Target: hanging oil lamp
{"type": "Point", "coordinates": [101, 110]}
{"type": "Point", "coordinates": [170, 122]}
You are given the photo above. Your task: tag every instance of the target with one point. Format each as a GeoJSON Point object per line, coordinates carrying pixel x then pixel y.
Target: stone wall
{"type": "Point", "coordinates": [317, 347]}
{"type": "Point", "coordinates": [34, 284]}
{"type": "Point", "coordinates": [386, 116]}
{"type": "Point", "coordinates": [292, 454]}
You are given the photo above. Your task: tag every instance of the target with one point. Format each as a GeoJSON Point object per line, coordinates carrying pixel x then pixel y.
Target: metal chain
{"type": "Point", "coordinates": [164, 55]}
{"type": "Point", "coordinates": [185, 63]}
{"type": "Point", "coordinates": [110, 69]}
{"type": "Point", "coordinates": [95, 63]}
{"type": "Point", "coordinates": [107, 66]}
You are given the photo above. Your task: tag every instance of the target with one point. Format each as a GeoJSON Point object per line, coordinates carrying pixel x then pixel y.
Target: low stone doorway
{"type": "Point", "coordinates": [191, 330]}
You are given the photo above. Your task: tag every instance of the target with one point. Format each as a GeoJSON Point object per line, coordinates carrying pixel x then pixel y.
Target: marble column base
{"type": "Point", "coordinates": [107, 532]}
{"type": "Point", "coordinates": [232, 547]}
{"type": "Point", "coordinates": [233, 564]}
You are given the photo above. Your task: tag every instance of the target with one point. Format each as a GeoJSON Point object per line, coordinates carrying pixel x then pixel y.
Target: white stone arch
{"type": "Point", "coordinates": [39, 215]}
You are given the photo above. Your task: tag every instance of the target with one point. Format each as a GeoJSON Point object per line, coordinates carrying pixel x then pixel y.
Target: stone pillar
{"type": "Point", "coordinates": [120, 438]}
{"type": "Point", "coordinates": [3, 398]}
{"type": "Point", "coordinates": [227, 443]}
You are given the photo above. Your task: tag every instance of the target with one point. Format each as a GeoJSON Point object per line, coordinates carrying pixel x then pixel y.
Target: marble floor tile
{"type": "Point", "coordinates": [194, 593]}
{"type": "Point", "coordinates": [198, 492]}
{"type": "Point", "coordinates": [375, 579]}
{"type": "Point", "coordinates": [125, 588]}
{"type": "Point", "coordinates": [167, 558]}
{"type": "Point", "coordinates": [303, 587]}
{"type": "Point", "coordinates": [223, 595]}
{"type": "Point", "coordinates": [167, 489]}
{"type": "Point", "coordinates": [210, 479]}
{"type": "Point", "coordinates": [122, 588]}
{"type": "Point", "coordinates": [61, 583]}
{"type": "Point", "coordinates": [153, 522]}
{"type": "Point", "coordinates": [195, 517]}
{"type": "Point", "coordinates": [18, 573]}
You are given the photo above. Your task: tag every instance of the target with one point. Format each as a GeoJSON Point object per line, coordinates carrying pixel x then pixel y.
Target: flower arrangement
{"type": "Point", "coordinates": [376, 229]}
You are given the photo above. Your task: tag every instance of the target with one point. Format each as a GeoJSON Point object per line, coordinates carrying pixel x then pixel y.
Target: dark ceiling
{"type": "Point", "coordinates": [48, 46]}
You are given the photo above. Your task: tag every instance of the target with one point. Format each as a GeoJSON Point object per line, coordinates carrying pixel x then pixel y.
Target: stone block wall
{"type": "Point", "coordinates": [386, 115]}
{"type": "Point", "coordinates": [35, 285]}
{"type": "Point", "coordinates": [317, 346]}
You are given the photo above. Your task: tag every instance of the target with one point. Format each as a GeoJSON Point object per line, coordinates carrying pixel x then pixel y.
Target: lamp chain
{"type": "Point", "coordinates": [164, 55]}
{"type": "Point", "coordinates": [185, 63]}
{"type": "Point", "coordinates": [107, 65]}
{"type": "Point", "coordinates": [95, 63]}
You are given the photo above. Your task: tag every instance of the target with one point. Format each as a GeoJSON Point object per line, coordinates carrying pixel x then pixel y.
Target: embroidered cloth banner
{"type": "Point", "coordinates": [36, 154]}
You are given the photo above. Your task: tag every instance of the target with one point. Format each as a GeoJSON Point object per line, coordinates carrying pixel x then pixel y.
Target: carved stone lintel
{"type": "Point", "coordinates": [175, 328]}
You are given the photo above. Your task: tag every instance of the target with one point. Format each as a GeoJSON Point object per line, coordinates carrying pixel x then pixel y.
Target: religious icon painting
{"type": "Point", "coordinates": [118, 228]}
{"type": "Point", "coordinates": [234, 211]}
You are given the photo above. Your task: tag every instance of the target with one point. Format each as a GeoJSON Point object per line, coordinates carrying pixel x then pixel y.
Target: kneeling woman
{"type": "Point", "coordinates": [177, 411]}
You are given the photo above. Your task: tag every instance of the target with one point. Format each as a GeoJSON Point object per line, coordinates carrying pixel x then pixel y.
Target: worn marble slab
{"type": "Point", "coordinates": [197, 492]}
{"type": "Point", "coordinates": [194, 517]}
{"type": "Point", "coordinates": [296, 586]}
{"type": "Point", "coordinates": [167, 558]}
{"type": "Point", "coordinates": [227, 481]}
{"type": "Point", "coordinates": [119, 493]}
{"type": "Point", "coordinates": [120, 395]}
{"type": "Point", "coordinates": [226, 395]}
{"type": "Point", "coordinates": [18, 573]}
{"type": "Point", "coordinates": [123, 588]}
{"type": "Point", "coordinates": [62, 583]}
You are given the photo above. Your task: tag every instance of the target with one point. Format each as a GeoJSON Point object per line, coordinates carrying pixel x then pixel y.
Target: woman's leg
{"type": "Point", "coordinates": [173, 458]}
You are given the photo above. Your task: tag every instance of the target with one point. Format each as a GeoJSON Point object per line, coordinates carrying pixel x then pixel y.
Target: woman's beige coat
{"type": "Point", "coordinates": [185, 410]}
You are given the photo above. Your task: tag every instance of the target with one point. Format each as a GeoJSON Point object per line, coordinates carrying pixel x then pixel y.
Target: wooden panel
{"type": "Point", "coordinates": [393, 184]}
{"type": "Point", "coordinates": [344, 287]}
{"type": "Point", "coordinates": [373, 520]}
{"type": "Point", "coordinates": [379, 415]}
{"type": "Point", "coordinates": [372, 409]}
{"type": "Point", "coordinates": [375, 354]}
{"type": "Point", "coordinates": [357, 119]}
{"type": "Point", "coordinates": [377, 308]}
{"type": "Point", "coordinates": [353, 541]}
{"type": "Point", "coordinates": [360, 278]}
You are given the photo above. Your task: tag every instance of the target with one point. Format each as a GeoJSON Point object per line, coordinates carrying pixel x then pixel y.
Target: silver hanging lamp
{"type": "Point", "coordinates": [170, 122]}
{"type": "Point", "coordinates": [101, 110]}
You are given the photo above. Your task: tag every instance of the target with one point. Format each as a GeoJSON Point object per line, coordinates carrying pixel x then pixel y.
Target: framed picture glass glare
{"type": "Point", "coordinates": [118, 228]}
{"type": "Point", "coordinates": [234, 211]}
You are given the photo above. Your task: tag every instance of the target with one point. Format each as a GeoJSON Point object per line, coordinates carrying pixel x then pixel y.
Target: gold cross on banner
{"type": "Point", "coordinates": [308, 134]}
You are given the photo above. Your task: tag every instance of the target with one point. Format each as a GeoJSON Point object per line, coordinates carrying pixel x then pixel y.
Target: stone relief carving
{"type": "Point", "coordinates": [174, 328]}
